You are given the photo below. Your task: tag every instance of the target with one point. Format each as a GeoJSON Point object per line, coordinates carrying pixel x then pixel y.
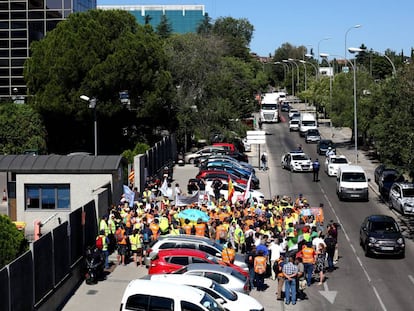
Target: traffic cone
{"type": "Point", "coordinates": [4, 195]}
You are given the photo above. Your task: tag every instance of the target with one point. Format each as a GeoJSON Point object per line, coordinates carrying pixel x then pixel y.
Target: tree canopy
{"type": "Point", "coordinates": [12, 241]}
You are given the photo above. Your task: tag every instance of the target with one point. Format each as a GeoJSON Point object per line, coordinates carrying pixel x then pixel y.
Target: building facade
{"type": "Point", "coordinates": [21, 23]}
{"type": "Point", "coordinates": [183, 18]}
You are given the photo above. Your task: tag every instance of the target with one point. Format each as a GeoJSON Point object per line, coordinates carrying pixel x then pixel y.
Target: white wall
{"type": "Point", "coordinates": [82, 189]}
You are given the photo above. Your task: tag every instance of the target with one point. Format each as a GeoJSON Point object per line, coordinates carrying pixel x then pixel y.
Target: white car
{"type": "Point", "coordinates": [209, 150]}
{"type": "Point", "coordinates": [294, 125]}
{"type": "Point", "coordinates": [154, 295]}
{"type": "Point", "coordinates": [229, 299]}
{"type": "Point", "coordinates": [293, 112]}
{"type": "Point", "coordinates": [297, 161]}
{"type": "Point", "coordinates": [333, 162]}
{"type": "Point", "coordinates": [238, 192]}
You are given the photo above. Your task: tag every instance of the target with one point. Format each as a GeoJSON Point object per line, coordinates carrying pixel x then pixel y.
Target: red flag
{"type": "Point", "coordinates": [246, 195]}
{"type": "Point", "coordinates": [230, 190]}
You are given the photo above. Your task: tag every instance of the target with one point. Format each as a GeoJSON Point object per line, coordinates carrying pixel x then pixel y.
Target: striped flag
{"type": "Point", "coordinates": [246, 195]}
{"type": "Point", "coordinates": [230, 190]}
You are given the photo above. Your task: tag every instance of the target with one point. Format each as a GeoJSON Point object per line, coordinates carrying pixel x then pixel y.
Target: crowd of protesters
{"type": "Point", "coordinates": [284, 240]}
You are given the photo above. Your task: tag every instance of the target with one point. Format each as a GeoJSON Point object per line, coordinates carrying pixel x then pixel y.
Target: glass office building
{"type": "Point", "coordinates": [183, 18]}
{"type": "Point", "coordinates": [21, 23]}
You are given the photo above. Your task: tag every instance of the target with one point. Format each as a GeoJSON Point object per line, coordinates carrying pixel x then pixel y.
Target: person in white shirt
{"type": "Point", "coordinates": [330, 152]}
{"type": "Point", "coordinates": [316, 241]}
{"type": "Point", "coordinates": [275, 250]}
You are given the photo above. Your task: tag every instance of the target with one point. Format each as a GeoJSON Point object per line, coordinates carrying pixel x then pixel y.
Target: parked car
{"type": "Point", "coordinates": [154, 295]}
{"type": "Point", "coordinates": [191, 157]}
{"type": "Point", "coordinates": [323, 145]}
{"type": "Point", "coordinates": [387, 178]}
{"type": "Point", "coordinates": [381, 235]}
{"type": "Point", "coordinates": [192, 242]}
{"type": "Point", "coordinates": [296, 161]}
{"type": "Point", "coordinates": [226, 276]}
{"type": "Point", "coordinates": [332, 163]}
{"type": "Point", "coordinates": [169, 260]}
{"type": "Point", "coordinates": [224, 175]}
{"type": "Point", "coordinates": [294, 125]}
{"type": "Point", "coordinates": [378, 171]}
{"type": "Point", "coordinates": [217, 160]}
{"type": "Point", "coordinates": [218, 164]}
{"type": "Point", "coordinates": [312, 136]}
{"type": "Point", "coordinates": [239, 173]}
{"type": "Point", "coordinates": [229, 299]}
{"type": "Point", "coordinates": [226, 157]}
{"type": "Point", "coordinates": [401, 197]}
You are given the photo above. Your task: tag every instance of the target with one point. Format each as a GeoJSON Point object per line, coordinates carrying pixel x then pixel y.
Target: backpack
{"type": "Point", "coordinates": [277, 267]}
{"type": "Point", "coordinates": [99, 242]}
{"type": "Point", "coordinates": [119, 235]}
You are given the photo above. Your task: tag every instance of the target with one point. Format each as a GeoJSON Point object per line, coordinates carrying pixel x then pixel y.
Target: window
{"type": "Point", "coordinates": [161, 304]}
{"type": "Point", "coordinates": [199, 260]}
{"type": "Point", "coordinates": [216, 277]}
{"type": "Point", "coordinates": [47, 196]}
{"type": "Point", "coordinates": [179, 260]}
{"type": "Point", "coordinates": [188, 306]}
{"type": "Point", "coordinates": [137, 302]}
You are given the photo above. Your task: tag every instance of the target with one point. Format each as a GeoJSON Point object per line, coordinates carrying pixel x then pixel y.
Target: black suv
{"type": "Point", "coordinates": [381, 235]}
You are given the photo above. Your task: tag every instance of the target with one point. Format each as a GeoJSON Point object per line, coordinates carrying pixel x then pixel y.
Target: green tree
{"type": "Point", "coordinates": [237, 33]}
{"type": "Point", "coordinates": [98, 53]}
{"type": "Point", "coordinates": [21, 128]}
{"type": "Point", "coordinates": [205, 27]}
{"type": "Point", "coordinates": [164, 28]}
{"type": "Point", "coordinates": [12, 241]}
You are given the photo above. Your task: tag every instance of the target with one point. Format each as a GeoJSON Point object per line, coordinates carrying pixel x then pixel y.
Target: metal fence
{"type": "Point", "coordinates": [38, 279]}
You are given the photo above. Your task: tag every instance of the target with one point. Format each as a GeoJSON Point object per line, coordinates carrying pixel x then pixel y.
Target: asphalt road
{"type": "Point", "coordinates": [358, 283]}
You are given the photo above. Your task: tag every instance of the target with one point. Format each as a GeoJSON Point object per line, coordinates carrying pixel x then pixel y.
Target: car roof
{"type": "Point", "coordinates": [209, 267]}
{"type": "Point", "coordinates": [377, 218]}
{"type": "Point", "coordinates": [186, 237]}
{"type": "Point", "coordinates": [181, 252]}
{"type": "Point", "coordinates": [351, 168]}
{"type": "Point", "coordinates": [150, 287]}
{"type": "Point", "coordinates": [185, 279]}
{"type": "Point", "coordinates": [406, 185]}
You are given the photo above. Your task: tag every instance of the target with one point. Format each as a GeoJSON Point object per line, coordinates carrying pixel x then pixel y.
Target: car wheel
{"type": "Point", "coordinates": [402, 210]}
{"type": "Point", "coordinates": [366, 251]}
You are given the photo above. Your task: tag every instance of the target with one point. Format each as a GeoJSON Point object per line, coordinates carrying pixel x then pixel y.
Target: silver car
{"type": "Point", "coordinates": [226, 276]}
{"type": "Point", "coordinates": [401, 197]}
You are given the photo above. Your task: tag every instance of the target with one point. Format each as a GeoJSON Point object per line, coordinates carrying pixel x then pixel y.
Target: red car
{"type": "Point", "coordinates": [222, 175]}
{"type": "Point", "coordinates": [169, 260]}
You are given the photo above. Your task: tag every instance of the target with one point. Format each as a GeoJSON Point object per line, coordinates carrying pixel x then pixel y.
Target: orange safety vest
{"type": "Point", "coordinates": [260, 264]}
{"type": "Point", "coordinates": [219, 230]}
{"type": "Point", "coordinates": [187, 229]}
{"type": "Point", "coordinates": [155, 230]}
{"type": "Point", "coordinates": [228, 255]}
{"type": "Point", "coordinates": [200, 229]}
{"type": "Point", "coordinates": [308, 255]}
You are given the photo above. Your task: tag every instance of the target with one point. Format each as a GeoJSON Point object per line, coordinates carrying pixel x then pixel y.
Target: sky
{"type": "Point", "coordinates": [324, 25]}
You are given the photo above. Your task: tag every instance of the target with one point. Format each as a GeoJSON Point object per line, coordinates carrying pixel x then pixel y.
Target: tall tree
{"type": "Point", "coordinates": [12, 241]}
{"type": "Point", "coordinates": [98, 53]}
{"type": "Point", "coordinates": [164, 28]}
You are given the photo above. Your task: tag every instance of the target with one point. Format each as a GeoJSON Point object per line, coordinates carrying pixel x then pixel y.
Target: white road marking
{"type": "Point", "coordinates": [354, 251]}
{"type": "Point", "coordinates": [411, 278]}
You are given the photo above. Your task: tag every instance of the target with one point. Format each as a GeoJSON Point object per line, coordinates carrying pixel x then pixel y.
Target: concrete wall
{"type": "Point", "coordinates": [83, 188]}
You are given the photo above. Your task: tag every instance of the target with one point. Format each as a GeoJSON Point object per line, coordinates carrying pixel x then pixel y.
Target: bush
{"type": "Point", "coordinates": [12, 241]}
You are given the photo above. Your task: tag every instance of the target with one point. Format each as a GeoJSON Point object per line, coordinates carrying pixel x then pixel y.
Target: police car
{"type": "Point", "coordinates": [297, 161]}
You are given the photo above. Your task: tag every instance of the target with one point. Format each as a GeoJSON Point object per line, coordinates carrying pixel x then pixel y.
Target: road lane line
{"type": "Point", "coordinates": [354, 251]}
{"type": "Point", "coordinates": [411, 278]}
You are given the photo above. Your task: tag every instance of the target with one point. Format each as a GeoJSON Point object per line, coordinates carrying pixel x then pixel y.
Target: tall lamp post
{"type": "Point", "coordinates": [284, 68]}
{"type": "Point", "coordinates": [325, 56]}
{"type": "Point", "coordinates": [346, 34]}
{"type": "Point", "coordinates": [92, 105]}
{"type": "Point", "coordinates": [293, 77]}
{"type": "Point", "coordinates": [304, 67]}
{"type": "Point", "coordinates": [319, 43]}
{"type": "Point", "coordinates": [353, 51]}
{"type": "Point", "coordinates": [297, 72]}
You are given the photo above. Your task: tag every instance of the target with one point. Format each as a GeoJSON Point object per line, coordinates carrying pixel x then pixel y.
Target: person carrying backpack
{"type": "Point", "coordinates": [121, 239]}
{"type": "Point", "coordinates": [102, 243]}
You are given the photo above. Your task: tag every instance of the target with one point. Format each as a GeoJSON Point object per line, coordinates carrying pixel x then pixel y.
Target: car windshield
{"type": "Point", "coordinates": [226, 293]}
{"type": "Point", "coordinates": [339, 160]}
{"type": "Point", "coordinates": [408, 193]}
{"type": "Point", "coordinates": [299, 157]}
{"type": "Point", "coordinates": [208, 302]}
{"type": "Point", "coordinates": [294, 121]}
{"type": "Point", "coordinates": [309, 123]}
{"type": "Point", "coordinates": [383, 226]}
{"type": "Point", "coordinates": [239, 275]}
{"type": "Point", "coordinates": [269, 106]}
{"type": "Point", "coordinates": [353, 177]}
{"type": "Point", "coordinates": [325, 144]}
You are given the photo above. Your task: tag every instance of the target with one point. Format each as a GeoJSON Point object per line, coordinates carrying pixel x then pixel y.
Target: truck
{"type": "Point", "coordinates": [307, 121]}
{"type": "Point", "coordinates": [269, 107]}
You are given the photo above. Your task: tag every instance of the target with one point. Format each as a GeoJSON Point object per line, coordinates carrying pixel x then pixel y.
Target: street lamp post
{"type": "Point", "coordinates": [92, 105]}
{"type": "Point", "coordinates": [325, 56]}
{"type": "Point", "coordinates": [327, 38]}
{"type": "Point", "coordinates": [346, 34]}
{"type": "Point", "coordinates": [304, 67]}
{"type": "Point", "coordinates": [297, 72]}
{"type": "Point", "coordinates": [284, 68]}
{"type": "Point", "coordinates": [355, 50]}
{"type": "Point", "coordinates": [293, 77]}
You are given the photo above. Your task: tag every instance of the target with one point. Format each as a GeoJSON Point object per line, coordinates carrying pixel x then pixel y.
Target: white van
{"type": "Point", "coordinates": [154, 295]}
{"type": "Point", "coordinates": [352, 183]}
{"type": "Point", "coordinates": [307, 122]}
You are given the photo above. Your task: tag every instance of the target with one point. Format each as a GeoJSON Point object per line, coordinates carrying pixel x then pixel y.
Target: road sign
{"type": "Point", "coordinates": [345, 69]}
{"type": "Point", "coordinates": [256, 137]}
